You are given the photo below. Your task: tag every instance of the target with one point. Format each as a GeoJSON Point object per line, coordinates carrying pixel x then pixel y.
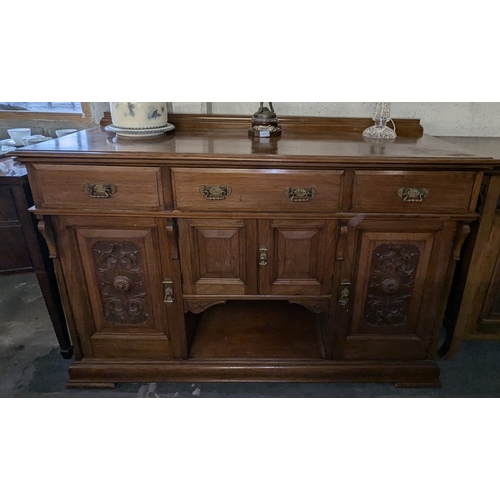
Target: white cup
{"type": "Point", "coordinates": [17, 134]}
{"type": "Point", "coordinates": [65, 131]}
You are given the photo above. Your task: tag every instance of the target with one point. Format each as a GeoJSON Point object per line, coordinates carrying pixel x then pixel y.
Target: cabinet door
{"type": "Point", "coordinates": [392, 289]}
{"type": "Point", "coordinates": [114, 272]}
{"type": "Point", "coordinates": [219, 257]}
{"type": "Point", "coordinates": [296, 257]}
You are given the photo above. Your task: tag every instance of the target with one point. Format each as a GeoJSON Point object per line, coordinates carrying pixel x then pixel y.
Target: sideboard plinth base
{"type": "Point", "coordinates": [90, 374]}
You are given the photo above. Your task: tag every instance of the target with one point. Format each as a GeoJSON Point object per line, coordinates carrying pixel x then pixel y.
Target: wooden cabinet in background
{"type": "Point", "coordinates": [474, 307]}
{"type": "Point", "coordinates": [206, 255]}
{"type": "Point", "coordinates": [23, 250]}
{"type": "Point", "coordinates": [14, 251]}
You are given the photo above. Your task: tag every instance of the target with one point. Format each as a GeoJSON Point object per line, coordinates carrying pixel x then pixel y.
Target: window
{"type": "Point", "coordinates": [64, 111]}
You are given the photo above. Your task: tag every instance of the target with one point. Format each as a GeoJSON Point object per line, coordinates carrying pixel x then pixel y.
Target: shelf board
{"type": "Point", "coordinates": [257, 330]}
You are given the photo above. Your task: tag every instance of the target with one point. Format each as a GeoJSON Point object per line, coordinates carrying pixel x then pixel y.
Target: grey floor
{"type": "Point", "coordinates": [31, 366]}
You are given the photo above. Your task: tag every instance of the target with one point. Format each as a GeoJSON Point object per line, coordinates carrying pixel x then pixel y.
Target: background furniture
{"type": "Point", "coordinates": [22, 249]}
{"type": "Point", "coordinates": [474, 307]}
{"type": "Point", "coordinates": [206, 255]}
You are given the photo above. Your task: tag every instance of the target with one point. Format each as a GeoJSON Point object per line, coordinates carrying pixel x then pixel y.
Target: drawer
{"type": "Point", "coordinates": [99, 188]}
{"type": "Point", "coordinates": [212, 189]}
{"type": "Point", "coordinates": [413, 192]}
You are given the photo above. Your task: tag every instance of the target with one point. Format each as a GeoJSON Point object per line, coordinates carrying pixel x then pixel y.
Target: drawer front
{"type": "Point", "coordinates": [413, 192]}
{"type": "Point", "coordinates": [99, 188]}
{"type": "Point", "coordinates": [211, 189]}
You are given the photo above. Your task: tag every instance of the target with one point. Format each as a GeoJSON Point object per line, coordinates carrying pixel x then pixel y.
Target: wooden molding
{"type": "Point", "coordinates": [303, 124]}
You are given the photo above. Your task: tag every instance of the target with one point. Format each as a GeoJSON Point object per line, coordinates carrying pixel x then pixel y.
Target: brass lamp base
{"type": "Point", "coordinates": [265, 122]}
{"type": "Point", "coordinates": [265, 130]}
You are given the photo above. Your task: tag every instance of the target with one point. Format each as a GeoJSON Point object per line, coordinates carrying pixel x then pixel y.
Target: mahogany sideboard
{"type": "Point", "coordinates": [474, 307]}
{"type": "Point", "coordinates": [205, 255]}
{"type": "Point", "coordinates": [22, 250]}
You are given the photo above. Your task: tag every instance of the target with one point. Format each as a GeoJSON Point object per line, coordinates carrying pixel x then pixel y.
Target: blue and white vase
{"type": "Point", "coordinates": [139, 115]}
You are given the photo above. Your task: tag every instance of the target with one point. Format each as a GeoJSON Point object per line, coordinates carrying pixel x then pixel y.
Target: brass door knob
{"type": "Point", "coordinates": [262, 256]}
{"type": "Point", "coordinates": [168, 288]}
{"type": "Point", "coordinates": [345, 292]}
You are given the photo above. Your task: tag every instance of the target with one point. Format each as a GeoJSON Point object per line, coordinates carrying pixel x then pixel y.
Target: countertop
{"type": "Point", "coordinates": [225, 145]}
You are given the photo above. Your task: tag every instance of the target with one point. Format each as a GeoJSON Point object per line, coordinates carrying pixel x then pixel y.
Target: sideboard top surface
{"type": "Point", "coordinates": [227, 145]}
{"type": "Point", "coordinates": [483, 146]}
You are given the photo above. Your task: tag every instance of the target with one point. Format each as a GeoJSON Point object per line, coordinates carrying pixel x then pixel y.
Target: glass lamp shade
{"type": "Point", "coordinates": [381, 117]}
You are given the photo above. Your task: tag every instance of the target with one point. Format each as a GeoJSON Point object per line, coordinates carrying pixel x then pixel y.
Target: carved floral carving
{"type": "Point", "coordinates": [199, 307]}
{"type": "Point", "coordinates": [392, 276]}
{"type": "Point", "coordinates": [119, 266]}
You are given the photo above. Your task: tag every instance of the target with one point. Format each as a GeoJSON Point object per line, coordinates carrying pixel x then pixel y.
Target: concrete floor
{"type": "Point", "coordinates": [31, 366]}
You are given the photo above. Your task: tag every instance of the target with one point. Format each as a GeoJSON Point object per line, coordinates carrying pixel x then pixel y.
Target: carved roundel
{"type": "Point", "coordinates": [391, 285]}
{"type": "Point", "coordinates": [122, 283]}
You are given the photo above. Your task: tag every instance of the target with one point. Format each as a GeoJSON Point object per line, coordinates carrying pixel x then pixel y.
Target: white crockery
{"type": "Point", "coordinates": [6, 149]}
{"type": "Point", "coordinates": [141, 132]}
{"type": "Point", "coordinates": [18, 134]}
{"type": "Point", "coordinates": [35, 139]}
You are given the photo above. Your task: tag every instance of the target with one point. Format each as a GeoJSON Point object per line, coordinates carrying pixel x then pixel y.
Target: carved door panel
{"type": "Point", "coordinates": [124, 309]}
{"type": "Point", "coordinates": [391, 288]}
{"type": "Point", "coordinates": [296, 257]}
{"type": "Point", "coordinates": [218, 256]}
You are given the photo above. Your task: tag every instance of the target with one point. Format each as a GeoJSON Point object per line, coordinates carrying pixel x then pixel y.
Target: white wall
{"type": "Point", "coordinates": [437, 118]}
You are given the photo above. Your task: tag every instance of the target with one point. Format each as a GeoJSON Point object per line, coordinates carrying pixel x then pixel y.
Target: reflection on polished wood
{"type": "Point", "coordinates": [225, 145]}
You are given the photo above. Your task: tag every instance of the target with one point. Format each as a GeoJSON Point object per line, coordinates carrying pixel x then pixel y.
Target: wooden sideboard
{"type": "Point", "coordinates": [204, 255]}
{"type": "Point", "coordinates": [22, 250]}
{"type": "Point", "coordinates": [474, 307]}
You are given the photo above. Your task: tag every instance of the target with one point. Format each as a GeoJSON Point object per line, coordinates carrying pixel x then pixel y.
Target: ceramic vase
{"type": "Point", "coordinates": [139, 115]}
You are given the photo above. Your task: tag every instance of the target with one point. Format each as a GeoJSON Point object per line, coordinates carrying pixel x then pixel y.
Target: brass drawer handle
{"type": "Point", "coordinates": [100, 190]}
{"type": "Point", "coordinates": [262, 256]}
{"type": "Point", "coordinates": [300, 194]}
{"type": "Point", "coordinates": [168, 287]}
{"type": "Point", "coordinates": [215, 192]}
{"type": "Point", "coordinates": [345, 292]}
{"type": "Point", "coordinates": [413, 195]}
